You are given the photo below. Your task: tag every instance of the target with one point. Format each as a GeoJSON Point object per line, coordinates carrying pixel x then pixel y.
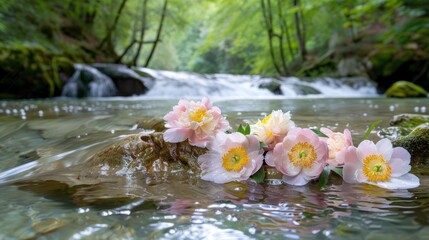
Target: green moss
{"type": "Point", "coordinates": [404, 89]}
{"type": "Point", "coordinates": [417, 143]}
{"type": "Point", "coordinates": [409, 120]}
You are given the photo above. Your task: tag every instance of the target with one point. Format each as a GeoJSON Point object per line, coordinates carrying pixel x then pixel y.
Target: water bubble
{"type": "Point", "coordinates": [365, 114]}
{"type": "Point", "coordinates": [392, 108]}
{"type": "Point", "coordinates": [83, 210]}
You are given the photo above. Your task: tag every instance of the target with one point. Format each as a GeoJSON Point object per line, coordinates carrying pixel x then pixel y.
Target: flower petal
{"type": "Point", "coordinates": [365, 148]}
{"type": "Point", "coordinates": [326, 131]}
{"type": "Point", "coordinates": [351, 165]}
{"type": "Point", "coordinates": [400, 162]}
{"type": "Point", "coordinates": [360, 177]}
{"type": "Point", "coordinates": [269, 158]}
{"type": "Point", "coordinates": [314, 171]}
{"type": "Point", "coordinates": [287, 167]}
{"type": "Point", "coordinates": [384, 147]}
{"type": "Point", "coordinates": [406, 181]}
{"type": "Point", "coordinates": [298, 180]}
{"type": "Point", "coordinates": [175, 135]}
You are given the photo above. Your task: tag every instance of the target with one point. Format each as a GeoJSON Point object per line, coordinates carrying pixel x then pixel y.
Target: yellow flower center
{"type": "Point", "coordinates": [376, 169]}
{"type": "Point", "coordinates": [269, 133]}
{"type": "Point", "coordinates": [302, 155]}
{"type": "Point", "coordinates": [235, 159]}
{"type": "Point", "coordinates": [197, 116]}
{"type": "Point", "coordinates": [266, 119]}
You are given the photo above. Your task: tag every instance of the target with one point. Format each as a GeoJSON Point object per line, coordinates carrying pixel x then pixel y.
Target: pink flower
{"type": "Point", "coordinates": [379, 164]}
{"type": "Point", "coordinates": [337, 144]}
{"type": "Point", "coordinates": [300, 157]}
{"type": "Point", "coordinates": [195, 121]}
{"type": "Point", "coordinates": [232, 157]}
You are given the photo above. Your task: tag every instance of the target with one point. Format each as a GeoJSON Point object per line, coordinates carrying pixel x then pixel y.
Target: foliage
{"type": "Point", "coordinates": [275, 37]}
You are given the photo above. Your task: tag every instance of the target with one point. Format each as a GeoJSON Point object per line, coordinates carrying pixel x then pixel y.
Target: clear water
{"type": "Point", "coordinates": [177, 206]}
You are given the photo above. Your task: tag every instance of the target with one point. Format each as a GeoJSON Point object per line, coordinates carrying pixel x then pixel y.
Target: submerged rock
{"type": "Point", "coordinates": [404, 89]}
{"type": "Point", "coordinates": [133, 156]}
{"type": "Point", "coordinates": [410, 131]}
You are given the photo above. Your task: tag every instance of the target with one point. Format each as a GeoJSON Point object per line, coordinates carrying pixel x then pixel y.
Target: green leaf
{"type": "Point", "coordinates": [323, 178]}
{"type": "Point", "coordinates": [259, 176]}
{"type": "Point", "coordinates": [244, 131]}
{"type": "Point", "coordinates": [240, 129]}
{"type": "Point", "coordinates": [374, 125]}
{"type": "Point", "coordinates": [262, 145]}
{"type": "Point", "coordinates": [338, 171]}
{"type": "Point", "coordinates": [318, 132]}
{"type": "Point", "coordinates": [247, 130]}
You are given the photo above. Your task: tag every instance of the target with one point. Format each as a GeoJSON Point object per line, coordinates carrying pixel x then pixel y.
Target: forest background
{"type": "Point", "coordinates": [384, 40]}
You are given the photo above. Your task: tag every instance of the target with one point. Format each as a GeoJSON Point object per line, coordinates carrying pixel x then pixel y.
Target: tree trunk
{"type": "Point", "coordinates": [158, 34]}
{"type": "Point", "coordinates": [108, 37]}
{"type": "Point", "coordinates": [282, 32]}
{"type": "Point", "coordinates": [299, 36]}
{"type": "Point", "coordinates": [142, 32]}
{"type": "Point", "coordinates": [119, 59]}
{"type": "Point", "coordinates": [267, 14]}
{"type": "Point", "coordinates": [284, 27]}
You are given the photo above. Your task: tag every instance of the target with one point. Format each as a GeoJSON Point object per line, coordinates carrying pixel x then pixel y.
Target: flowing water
{"type": "Point", "coordinates": [36, 134]}
{"type": "Point", "coordinates": [89, 81]}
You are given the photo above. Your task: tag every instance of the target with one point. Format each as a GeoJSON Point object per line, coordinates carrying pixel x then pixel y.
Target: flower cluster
{"type": "Point", "coordinates": [300, 154]}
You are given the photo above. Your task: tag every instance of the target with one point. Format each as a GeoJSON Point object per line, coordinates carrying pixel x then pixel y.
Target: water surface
{"type": "Point", "coordinates": [35, 134]}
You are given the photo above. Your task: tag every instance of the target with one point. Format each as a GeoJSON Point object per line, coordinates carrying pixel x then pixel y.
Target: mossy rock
{"type": "Point", "coordinates": [417, 143]}
{"type": "Point", "coordinates": [410, 131]}
{"type": "Point", "coordinates": [404, 89]}
{"type": "Point", "coordinates": [29, 72]}
{"type": "Point", "coordinates": [409, 120]}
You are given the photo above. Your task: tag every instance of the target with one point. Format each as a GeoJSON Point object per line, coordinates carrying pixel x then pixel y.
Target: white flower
{"type": "Point", "coordinates": [379, 164]}
{"type": "Point", "coordinates": [232, 157]}
{"type": "Point", "coordinates": [273, 128]}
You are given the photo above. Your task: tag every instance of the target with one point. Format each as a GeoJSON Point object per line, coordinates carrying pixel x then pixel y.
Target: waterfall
{"type": "Point", "coordinates": [88, 82]}
{"type": "Point", "coordinates": [170, 84]}
{"type": "Point", "coordinates": [107, 80]}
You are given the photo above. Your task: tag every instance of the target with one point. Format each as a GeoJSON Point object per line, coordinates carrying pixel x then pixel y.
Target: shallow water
{"type": "Point", "coordinates": [176, 206]}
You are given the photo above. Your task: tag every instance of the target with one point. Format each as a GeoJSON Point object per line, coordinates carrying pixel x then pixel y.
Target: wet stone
{"type": "Point", "coordinates": [47, 226]}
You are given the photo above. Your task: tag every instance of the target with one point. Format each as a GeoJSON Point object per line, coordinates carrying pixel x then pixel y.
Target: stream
{"type": "Point", "coordinates": [37, 133]}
